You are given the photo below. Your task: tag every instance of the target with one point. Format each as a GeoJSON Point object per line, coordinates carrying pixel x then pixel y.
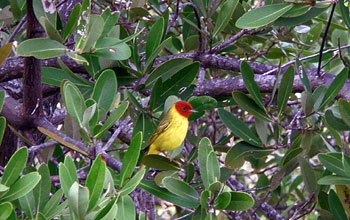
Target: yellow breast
{"type": "Point", "coordinates": [173, 136]}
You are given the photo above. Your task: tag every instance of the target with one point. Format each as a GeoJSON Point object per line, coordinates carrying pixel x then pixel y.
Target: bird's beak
{"type": "Point", "coordinates": [193, 111]}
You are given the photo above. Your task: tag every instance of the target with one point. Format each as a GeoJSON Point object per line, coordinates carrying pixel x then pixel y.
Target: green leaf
{"type": "Point", "coordinates": [183, 78]}
{"type": "Point", "coordinates": [263, 15]}
{"type": "Point", "coordinates": [109, 23]}
{"type": "Point", "coordinates": [78, 199]}
{"type": "Point", "coordinates": [334, 122]}
{"type": "Point", "coordinates": [239, 128]}
{"type": "Point", "coordinates": [250, 84]}
{"type": "Point", "coordinates": [208, 164]}
{"type": "Point", "coordinates": [342, 192]}
{"type": "Point", "coordinates": [318, 95]}
{"type": "Point", "coordinates": [250, 106]}
{"type": "Point", "coordinates": [74, 102]}
{"type": "Point", "coordinates": [54, 76]}
{"type": "Point", "coordinates": [262, 130]}
{"type": "Point", "coordinates": [132, 183]}
{"type": "Point", "coordinates": [52, 207]}
{"type": "Point", "coordinates": [126, 208]}
{"type": "Point", "coordinates": [335, 206]}
{"type": "Point", "coordinates": [334, 88]}
{"type": "Point", "coordinates": [50, 30]}
{"type": "Point", "coordinates": [344, 10]}
{"type": "Point", "coordinates": [40, 11]}
{"type": "Point", "coordinates": [21, 187]}
{"type": "Point", "coordinates": [154, 37]}
{"type": "Point", "coordinates": [308, 175]}
{"type": "Point", "coordinates": [285, 89]}
{"type": "Point", "coordinates": [5, 51]}
{"type": "Point", "coordinates": [313, 12]}
{"type": "Point", "coordinates": [72, 22]}
{"type": "Point", "coordinates": [41, 48]}
{"type": "Point", "coordinates": [2, 99]}
{"type": "Point", "coordinates": [66, 178]}
{"type": "Point", "coordinates": [90, 113]}
{"type": "Point", "coordinates": [95, 181]}
{"type": "Point", "coordinates": [154, 54]}
{"type": "Point", "coordinates": [15, 167]}
{"type": "Point", "coordinates": [119, 51]}
{"type": "Point", "coordinates": [291, 153]}
{"type": "Point", "coordinates": [224, 16]}
{"type": "Point", "coordinates": [3, 188]}
{"type": "Point", "coordinates": [297, 10]}
{"type": "Point", "coordinates": [42, 190]}
{"type": "Point", "coordinates": [166, 70]}
{"type": "Point", "coordinates": [27, 204]}
{"type": "Point", "coordinates": [236, 155]}
{"type": "Point", "coordinates": [304, 78]}
{"type": "Point", "coordinates": [113, 117]}
{"type": "Point", "coordinates": [107, 212]}
{"type": "Point", "coordinates": [105, 88]}
{"type": "Point", "coordinates": [333, 162]}
{"type": "Point", "coordinates": [77, 58]}
{"type": "Point", "coordinates": [222, 201]}
{"type": "Point", "coordinates": [201, 104]}
{"type": "Point", "coordinates": [159, 162]}
{"type": "Point", "coordinates": [2, 127]}
{"type": "Point", "coordinates": [240, 201]}
{"type": "Point", "coordinates": [155, 94]}
{"type": "Point", "coordinates": [5, 210]}
{"type": "Point", "coordinates": [344, 109]}
{"type": "Point", "coordinates": [334, 180]}
{"type": "Point", "coordinates": [164, 194]}
{"type": "Point", "coordinates": [94, 31]}
{"type": "Point", "coordinates": [180, 188]}
{"type": "Point", "coordinates": [130, 158]}
{"type": "Point", "coordinates": [73, 77]}
{"type": "Point", "coordinates": [306, 102]}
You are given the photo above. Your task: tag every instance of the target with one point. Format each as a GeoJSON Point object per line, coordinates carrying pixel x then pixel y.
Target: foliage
{"type": "Point", "coordinates": [270, 136]}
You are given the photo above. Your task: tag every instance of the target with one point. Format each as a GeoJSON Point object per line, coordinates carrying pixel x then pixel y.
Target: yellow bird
{"type": "Point", "coordinates": [172, 129]}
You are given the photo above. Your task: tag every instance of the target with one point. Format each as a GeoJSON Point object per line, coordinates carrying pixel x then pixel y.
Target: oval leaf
{"type": "Point", "coordinates": [15, 166]}
{"type": "Point", "coordinates": [239, 128]}
{"type": "Point", "coordinates": [41, 48]}
{"type": "Point", "coordinates": [240, 201]}
{"type": "Point", "coordinates": [250, 106]}
{"type": "Point", "coordinates": [334, 88]}
{"type": "Point", "coordinates": [263, 15]}
{"type": "Point", "coordinates": [105, 89]}
{"type": "Point", "coordinates": [250, 84]}
{"type": "Point", "coordinates": [285, 89]}
{"type": "Point", "coordinates": [180, 188]}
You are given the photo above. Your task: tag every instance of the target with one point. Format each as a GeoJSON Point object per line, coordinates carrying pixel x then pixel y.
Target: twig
{"type": "Point", "coordinates": [18, 29]}
{"type": "Point", "coordinates": [306, 58]}
{"type": "Point", "coordinates": [42, 146]}
{"type": "Point", "coordinates": [324, 40]}
{"type": "Point", "coordinates": [200, 38]}
{"type": "Point", "coordinates": [230, 41]}
{"type": "Point", "coordinates": [341, 56]}
{"type": "Point", "coordinates": [173, 19]}
{"type": "Point", "coordinates": [112, 139]}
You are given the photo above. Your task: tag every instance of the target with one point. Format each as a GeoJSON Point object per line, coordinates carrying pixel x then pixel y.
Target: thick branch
{"type": "Point", "coordinates": [32, 91]}
{"type": "Point", "coordinates": [14, 66]}
{"type": "Point", "coordinates": [225, 86]}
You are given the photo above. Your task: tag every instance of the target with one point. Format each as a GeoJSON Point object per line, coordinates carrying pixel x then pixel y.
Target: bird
{"type": "Point", "coordinates": [172, 129]}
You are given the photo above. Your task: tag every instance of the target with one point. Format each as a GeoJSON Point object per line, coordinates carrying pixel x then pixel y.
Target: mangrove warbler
{"type": "Point", "coordinates": [172, 129]}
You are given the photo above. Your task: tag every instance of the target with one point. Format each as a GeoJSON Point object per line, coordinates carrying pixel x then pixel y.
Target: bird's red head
{"type": "Point", "coordinates": [184, 108]}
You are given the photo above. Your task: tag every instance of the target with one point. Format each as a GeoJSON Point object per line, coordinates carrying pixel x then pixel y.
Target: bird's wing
{"type": "Point", "coordinates": [163, 125]}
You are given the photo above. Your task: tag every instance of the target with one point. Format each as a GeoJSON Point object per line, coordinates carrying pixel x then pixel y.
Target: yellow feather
{"type": "Point", "coordinates": [170, 132]}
